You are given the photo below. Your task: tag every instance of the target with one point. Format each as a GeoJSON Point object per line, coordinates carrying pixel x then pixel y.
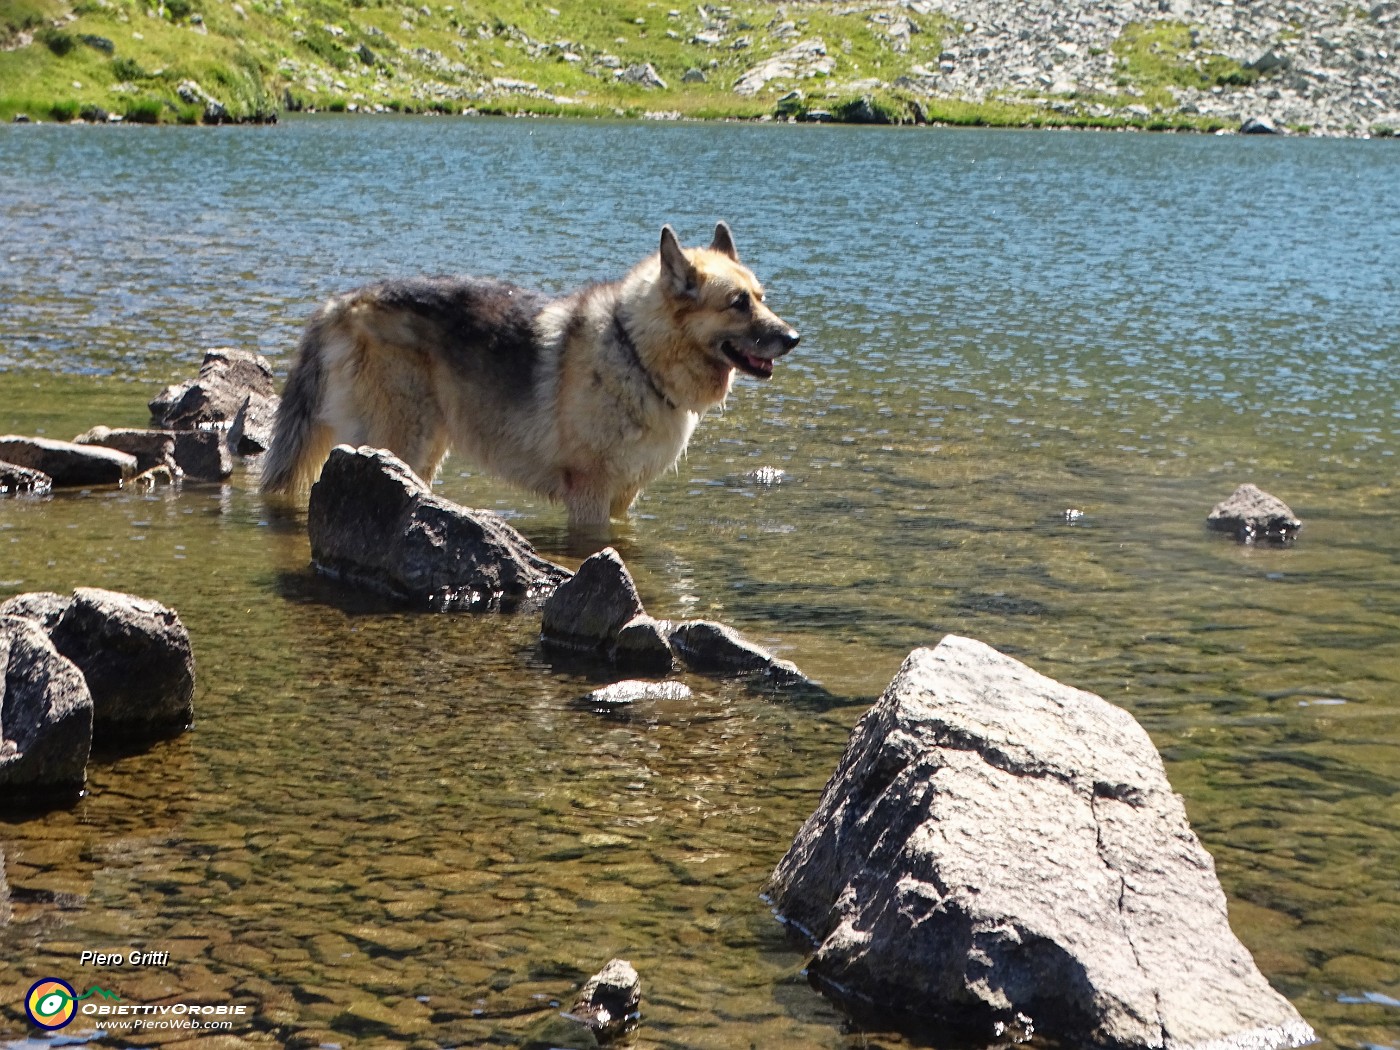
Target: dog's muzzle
{"type": "Point", "coordinates": [760, 365]}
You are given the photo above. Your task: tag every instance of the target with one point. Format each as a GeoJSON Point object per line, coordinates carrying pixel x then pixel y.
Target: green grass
{"type": "Point", "coordinates": [129, 57]}
{"type": "Point", "coordinates": [1156, 56]}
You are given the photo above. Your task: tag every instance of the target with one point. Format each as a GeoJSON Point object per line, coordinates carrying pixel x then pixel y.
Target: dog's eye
{"type": "Point", "coordinates": [740, 301]}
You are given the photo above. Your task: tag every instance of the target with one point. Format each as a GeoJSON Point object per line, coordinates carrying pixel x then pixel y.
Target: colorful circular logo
{"type": "Point", "coordinates": [51, 1003]}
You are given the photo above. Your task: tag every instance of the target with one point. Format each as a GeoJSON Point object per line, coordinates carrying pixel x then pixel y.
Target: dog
{"type": "Point", "coordinates": [583, 399]}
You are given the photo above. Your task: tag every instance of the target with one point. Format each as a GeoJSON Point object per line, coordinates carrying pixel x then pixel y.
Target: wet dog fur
{"type": "Point", "coordinates": [583, 399]}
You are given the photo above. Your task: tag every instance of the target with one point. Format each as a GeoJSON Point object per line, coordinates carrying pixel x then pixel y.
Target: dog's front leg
{"type": "Point", "coordinates": [588, 502]}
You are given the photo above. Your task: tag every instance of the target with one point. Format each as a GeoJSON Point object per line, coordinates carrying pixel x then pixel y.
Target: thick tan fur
{"type": "Point", "coordinates": [583, 399]}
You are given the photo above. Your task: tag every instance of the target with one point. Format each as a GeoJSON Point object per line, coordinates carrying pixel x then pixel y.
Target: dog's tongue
{"type": "Point", "coordinates": [761, 365]}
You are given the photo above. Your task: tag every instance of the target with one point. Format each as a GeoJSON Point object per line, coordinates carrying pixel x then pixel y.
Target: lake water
{"type": "Point", "coordinates": [392, 828]}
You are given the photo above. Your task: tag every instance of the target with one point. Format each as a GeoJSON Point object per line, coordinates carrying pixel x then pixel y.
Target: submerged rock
{"type": "Point", "coordinates": [712, 648]}
{"type": "Point", "coordinates": [251, 433]}
{"type": "Point", "coordinates": [152, 448]}
{"type": "Point", "coordinates": [997, 850]}
{"type": "Point", "coordinates": [610, 1002]}
{"type": "Point", "coordinates": [68, 464]}
{"type": "Point", "coordinates": [133, 653]}
{"type": "Point", "coordinates": [588, 610]}
{"type": "Point", "coordinates": [1252, 514]}
{"type": "Point", "coordinates": [374, 524]}
{"type": "Point", "coordinates": [46, 732]}
{"type": "Point", "coordinates": [15, 480]}
{"type": "Point", "coordinates": [226, 378]}
{"type": "Point", "coordinates": [633, 691]}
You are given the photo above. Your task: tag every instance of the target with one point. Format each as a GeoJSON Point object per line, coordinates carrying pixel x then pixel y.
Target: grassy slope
{"type": "Point", "coordinates": [258, 56]}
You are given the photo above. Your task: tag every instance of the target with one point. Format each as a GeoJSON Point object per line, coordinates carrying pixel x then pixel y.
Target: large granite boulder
{"type": "Point", "coordinates": [1252, 514]}
{"type": "Point", "coordinates": [16, 480]}
{"type": "Point", "coordinates": [587, 611]}
{"type": "Point", "coordinates": [68, 464]}
{"type": "Point", "coordinates": [226, 378]}
{"type": "Point", "coordinates": [45, 719]}
{"type": "Point", "coordinates": [375, 524]}
{"type": "Point", "coordinates": [152, 448]}
{"type": "Point", "coordinates": [133, 653]}
{"type": "Point", "coordinates": [1000, 851]}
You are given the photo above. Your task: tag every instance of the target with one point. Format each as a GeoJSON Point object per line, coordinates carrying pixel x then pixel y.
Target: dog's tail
{"type": "Point", "coordinates": [300, 442]}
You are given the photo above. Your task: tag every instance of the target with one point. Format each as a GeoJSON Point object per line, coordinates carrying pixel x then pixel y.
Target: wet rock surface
{"type": "Point", "coordinates": [1251, 514]}
{"type": "Point", "coordinates": [226, 378]}
{"type": "Point", "coordinates": [203, 454]}
{"type": "Point", "coordinates": [45, 719]}
{"type": "Point", "coordinates": [643, 644]}
{"type": "Point", "coordinates": [134, 655]}
{"type": "Point", "coordinates": [251, 432]}
{"type": "Point", "coordinates": [16, 480]}
{"type": "Point", "coordinates": [375, 524]}
{"type": "Point", "coordinates": [67, 464]}
{"type": "Point", "coordinates": [588, 610]}
{"type": "Point", "coordinates": [610, 1001]}
{"type": "Point", "coordinates": [997, 850]}
{"type": "Point", "coordinates": [707, 647]}
{"type": "Point", "coordinates": [152, 448]}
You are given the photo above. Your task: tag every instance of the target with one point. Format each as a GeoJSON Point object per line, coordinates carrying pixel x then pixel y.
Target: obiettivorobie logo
{"type": "Point", "coordinates": [52, 1004]}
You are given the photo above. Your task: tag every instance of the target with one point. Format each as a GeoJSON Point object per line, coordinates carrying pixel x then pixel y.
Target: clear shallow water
{"type": "Point", "coordinates": [379, 808]}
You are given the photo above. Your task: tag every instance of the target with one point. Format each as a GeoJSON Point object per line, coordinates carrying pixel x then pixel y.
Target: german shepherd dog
{"type": "Point", "coordinates": [582, 399]}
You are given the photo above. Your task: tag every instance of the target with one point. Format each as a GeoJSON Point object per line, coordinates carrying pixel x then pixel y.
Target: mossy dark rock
{"type": "Point", "coordinates": [713, 648]}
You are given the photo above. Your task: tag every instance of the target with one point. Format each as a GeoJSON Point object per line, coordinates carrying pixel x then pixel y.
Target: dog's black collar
{"type": "Point", "coordinates": [625, 339]}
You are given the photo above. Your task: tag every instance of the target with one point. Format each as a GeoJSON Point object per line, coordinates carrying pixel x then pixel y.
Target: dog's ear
{"type": "Point", "coordinates": [677, 273]}
{"type": "Point", "coordinates": [724, 241]}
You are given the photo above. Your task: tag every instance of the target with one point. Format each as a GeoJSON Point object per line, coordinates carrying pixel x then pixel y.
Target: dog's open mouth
{"type": "Point", "coordinates": [758, 367]}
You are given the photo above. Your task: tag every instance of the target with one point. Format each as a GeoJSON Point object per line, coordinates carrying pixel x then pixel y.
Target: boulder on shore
{"type": "Point", "coordinates": [45, 719]}
{"type": "Point", "coordinates": [997, 851]}
{"type": "Point", "coordinates": [15, 479]}
{"type": "Point", "coordinates": [68, 464]}
{"type": "Point", "coordinates": [1251, 514]}
{"type": "Point", "coordinates": [133, 653]}
{"type": "Point", "coordinates": [375, 524]}
{"type": "Point", "coordinates": [226, 377]}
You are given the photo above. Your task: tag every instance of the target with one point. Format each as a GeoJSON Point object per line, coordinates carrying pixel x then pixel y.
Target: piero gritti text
{"type": "Point", "coordinates": [131, 958]}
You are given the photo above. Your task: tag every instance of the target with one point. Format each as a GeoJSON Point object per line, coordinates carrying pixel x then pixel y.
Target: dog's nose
{"type": "Point", "coordinates": [790, 339]}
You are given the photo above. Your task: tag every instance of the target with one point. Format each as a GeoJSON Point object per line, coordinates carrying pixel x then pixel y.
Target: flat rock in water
{"type": "Point", "coordinates": [203, 454]}
{"type": "Point", "coordinates": [46, 733]}
{"type": "Point", "coordinates": [1252, 514]}
{"type": "Point", "coordinates": [373, 523]}
{"type": "Point", "coordinates": [251, 433]}
{"type": "Point", "coordinates": [226, 378]}
{"type": "Point", "coordinates": [133, 653]}
{"type": "Point", "coordinates": [712, 648]}
{"type": "Point", "coordinates": [67, 464]}
{"type": "Point", "coordinates": [999, 850]}
{"type": "Point", "coordinates": [635, 691]}
{"type": "Point", "coordinates": [16, 480]}
{"type": "Point", "coordinates": [587, 611]}
{"type": "Point", "coordinates": [610, 1001]}
{"type": "Point", "coordinates": [152, 448]}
